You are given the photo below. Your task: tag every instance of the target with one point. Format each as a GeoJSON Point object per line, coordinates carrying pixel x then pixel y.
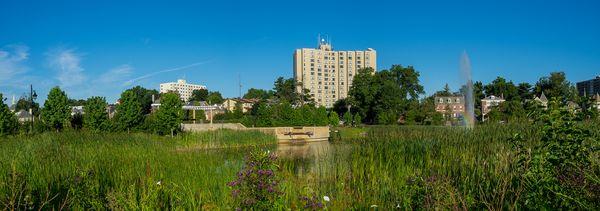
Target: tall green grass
{"type": "Point", "coordinates": [125, 171]}
{"type": "Point", "coordinates": [407, 167]}
{"type": "Point", "coordinates": [419, 168]}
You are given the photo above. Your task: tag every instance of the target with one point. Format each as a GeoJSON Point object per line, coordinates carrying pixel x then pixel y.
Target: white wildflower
{"type": "Point", "coordinates": [373, 206]}
{"type": "Point", "coordinates": [326, 198]}
{"type": "Point", "coordinates": [158, 183]}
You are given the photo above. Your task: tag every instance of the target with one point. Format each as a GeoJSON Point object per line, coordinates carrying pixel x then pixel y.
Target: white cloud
{"type": "Point", "coordinates": [67, 64]}
{"type": "Point", "coordinates": [130, 82]}
{"type": "Point", "coordinates": [12, 59]}
{"type": "Point", "coordinates": [116, 75]}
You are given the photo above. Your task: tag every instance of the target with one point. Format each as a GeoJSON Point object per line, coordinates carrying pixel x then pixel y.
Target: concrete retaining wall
{"type": "Point", "coordinates": [283, 134]}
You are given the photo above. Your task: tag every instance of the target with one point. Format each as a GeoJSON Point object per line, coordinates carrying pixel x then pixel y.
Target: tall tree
{"type": "Point", "coordinates": [477, 96]}
{"type": "Point", "coordinates": [386, 95]}
{"type": "Point", "coordinates": [334, 118]}
{"type": "Point", "coordinates": [285, 89]}
{"type": "Point", "coordinates": [340, 106]}
{"type": "Point", "coordinates": [199, 95]}
{"type": "Point", "coordinates": [525, 91]}
{"type": "Point", "coordinates": [500, 87]}
{"type": "Point", "coordinates": [445, 92]}
{"type": "Point", "coordinates": [262, 94]}
{"type": "Point", "coordinates": [24, 103]}
{"type": "Point", "coordinates": [214, 98]}
{"type": "Point", "coordinates": [170, 114]}
{"type": "Point", "coordinates": [56, 112]}
{"type": "Point", "coordinates": [263, 113]}
{"type": "Point", "coordinates": [555, 85]}
{"type": "Point", "coordinates": [95, 117]}
{"type": "Point", "coordinates": [144, 97]}
{"type": "Point", "coordinates": [8, 121]}
{"type": "Point", "coordinates": [77, 102]}
{"type": "Point", "coordinates": [129, 111]}
{"type": "Point", "coordinates": [363, 93]}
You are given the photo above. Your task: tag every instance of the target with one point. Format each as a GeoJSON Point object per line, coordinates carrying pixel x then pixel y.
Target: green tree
{"type": "Point", "coordinates": [200, 115]}
{"type": "Point", "coordinates": [477, 96]}
{"type": "Point", "coordinates": [500, 87]}
{"type": "Point", "coordinates": [363, 93]}
{"type": "Point", "coordinates": [334, 118]}
{"type": "Point", "coordinates": [320, 118]}
{"type": "Point", "coordinates": [129, 112]}
{"type": "Point", "coordinates": [285, 89]}
{"type": "Point", "coordinates": [8, 121]}
{"type": "Point", "coordinates": [238, 111]}
{"type": "Point", "coordinates": [385, 95]}
{"type": "Point", "coordinates": [144, 97]}
{"type": "Point", "coordinates": [340, 106]}
{"type": "Point", "coordinates": [525, 91]}
{"type": "Point", "coordinates": [56, 112]}
{"type": "Point", "coordinates": [357, 119]}
{"type": "Point", "coordinates": [262, 94]}
{"type": "Point", "coordinates": [445, 92]}
{"type": "Point", "coordinates": [199, 95]}
{"type": "Point", "coordinates": [75, 102]}
{"type": "Point", "coordinates": [588, 111]}
{"type": "Point", "coordinates": [96, 117]}
{"type": "Point", "coordinates": [24, 103]}
{"type": "Point", "coordinates": [214, 98]}
{"type": "Point", "coordinates": [169, 115]}
{"type": "Point", "coordinates": [555, 85]}
{"type": "Point", "coordinates": [347, 119]}
{"type": "Point", "coordinates": [263, 113]}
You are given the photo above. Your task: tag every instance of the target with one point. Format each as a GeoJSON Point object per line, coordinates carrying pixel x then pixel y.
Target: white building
{"type": "Point", "coordinates": [181, 87]}
{"type": "Point", "coordinates": [489, 102]}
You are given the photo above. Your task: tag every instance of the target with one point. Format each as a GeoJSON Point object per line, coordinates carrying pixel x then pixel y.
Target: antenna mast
{"type": "Point", "coordinates": [240, 86]}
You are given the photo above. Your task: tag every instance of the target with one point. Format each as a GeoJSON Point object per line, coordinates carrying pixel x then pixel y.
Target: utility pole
{"type": "Point", "coordinates": [32, 96]}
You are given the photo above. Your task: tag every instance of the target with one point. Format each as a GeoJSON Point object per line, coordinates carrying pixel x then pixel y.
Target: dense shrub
{"type": "Point", "coordinates": [557, 172]}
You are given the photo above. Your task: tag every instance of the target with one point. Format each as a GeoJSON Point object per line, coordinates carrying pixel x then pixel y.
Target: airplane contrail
{"type": "Point", "coordinates": [129, 82]}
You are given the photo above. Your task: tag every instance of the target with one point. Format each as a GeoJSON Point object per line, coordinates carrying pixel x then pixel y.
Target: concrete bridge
{"type": "Point", "coordinates": [283, 134]}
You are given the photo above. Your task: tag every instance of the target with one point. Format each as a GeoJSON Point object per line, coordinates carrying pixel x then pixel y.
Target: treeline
{"type": "Point", "coordinates": [388, 97]}
{"type": "Point", "coordinates": [282, 106]}
{"type": "Point", "coordinates": [393, 97]}
{"type": "Point", "coordinates": [133, 113]}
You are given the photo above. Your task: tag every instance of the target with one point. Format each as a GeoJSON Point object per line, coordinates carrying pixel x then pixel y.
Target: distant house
{"type": "Point", "coordinates": [12, 108]}
{"type": "Point", "coordinates": [489, 102]}
{"type": "Point", "coordinates": [209, 110]}
{"type": "Point", "coordinates": [111, 109]}
{"type": "Point", "coordinates": [452, 106]}
{"type": "Point", "coordinates": [542, 100]}
{"type": "Point", "coordinates": [23, 116]}
{"type": "Point", "coordinates": [572, 106]}
{"type": "Point", "coordinates": [596, 102]}
{"type": "Point", "coordinates": [77, 110]}
{"type": "Point", "coordinates": [247, 104]}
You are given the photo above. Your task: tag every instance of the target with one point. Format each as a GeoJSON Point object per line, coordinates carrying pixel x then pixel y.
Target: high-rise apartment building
{"type": "Point", "coordinates": [589, 87]}
{"type": "Point", "coordinates": [181, 87]}
{"type": "Point", "coordinates": [327, 73]}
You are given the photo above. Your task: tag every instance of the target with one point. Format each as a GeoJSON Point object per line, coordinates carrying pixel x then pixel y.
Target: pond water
{"type": "Point", "coordinates": [313, 157]}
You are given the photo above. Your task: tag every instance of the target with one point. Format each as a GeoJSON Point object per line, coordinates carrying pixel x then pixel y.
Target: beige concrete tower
{"type": "Point", "coordinates": [327, 73]}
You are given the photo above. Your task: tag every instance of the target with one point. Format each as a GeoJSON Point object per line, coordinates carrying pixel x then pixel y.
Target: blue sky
{"type": "Point", "coordinates": [104, 47]}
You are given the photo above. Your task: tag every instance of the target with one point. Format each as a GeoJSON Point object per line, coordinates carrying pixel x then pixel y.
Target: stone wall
{"type": "Point", "coordinates": [283, 134]}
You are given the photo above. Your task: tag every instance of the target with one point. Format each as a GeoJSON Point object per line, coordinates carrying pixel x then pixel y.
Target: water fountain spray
{"type": "Point", "coordinates": [465, 68]}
